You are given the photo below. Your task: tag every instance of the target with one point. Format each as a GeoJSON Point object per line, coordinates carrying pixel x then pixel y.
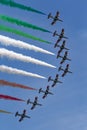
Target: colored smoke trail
{"type": "Point", "coordinates": [22, 23]}
{"type": "Point", "coordinates": [12, 84]}
{"type": "Point", "coordinates": [6, 97]}
{"type": "Point", "coordinates": [20, 33]}
{"type": "Point", "coordinates": [11, 70]}
{"type": "Point", "coordinates": [17, 43]}
{"type": "Point", "coordinates": [21, 57]}
{"type": "Point", "coordinates": [6, 112]}
{"type": "Point", "coordinates": [20, 6]}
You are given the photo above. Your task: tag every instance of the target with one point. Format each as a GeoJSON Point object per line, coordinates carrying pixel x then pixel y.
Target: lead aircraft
{"type": "Point", "coordinates": [34, 103]}
{"type": "Point", "coordinates": [22, 116]}
{"type": "Point", "coordinates": [46, 92]}
{"type": "Point", "coordinates": [55, 18]}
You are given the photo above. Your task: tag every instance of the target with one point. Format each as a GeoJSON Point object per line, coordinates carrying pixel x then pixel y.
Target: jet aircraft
{"type": "Point", "coordinates": [61, 35]}
{"type": "Point", "coordinates": [55, 81]}
{"type": "Point", "coordinates": [46, 92]}
{"type": "Point", "coordinates": [22, 116]}
{"type": "Point", "coordinates": [62, 46]}
{"type": "Point", "coordinates": [63, 57]}
{"type": "Point", "coordinates": [55, 18]}
{"type": "Point", "coordinates": [34, 103]}
{"type": "Point", "coordinates": [66, 70]}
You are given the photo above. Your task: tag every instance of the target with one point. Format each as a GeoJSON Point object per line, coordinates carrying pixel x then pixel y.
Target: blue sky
{"type": "Point", "coordinates": [67, 108]}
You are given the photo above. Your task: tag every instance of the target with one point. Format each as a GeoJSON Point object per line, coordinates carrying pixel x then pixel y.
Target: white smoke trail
{"type": "Point", "coordinates": [11, 70]}
{"type": "Point", "coordinates": [18, 56]}
{"type": "Point", "coordinates": [17, 43]}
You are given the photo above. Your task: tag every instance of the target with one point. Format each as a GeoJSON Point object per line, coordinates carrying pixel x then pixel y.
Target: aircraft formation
{"type": "Point", "coordinates": [62, 55]}
{"type": "Point", "coordinates": [62, 47]}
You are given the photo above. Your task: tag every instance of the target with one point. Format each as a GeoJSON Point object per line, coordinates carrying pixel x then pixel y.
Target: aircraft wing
{"type": "Point", "coordinates": [64, 74]}
{"type": "Point", "coordinates": [53, 22]}
{"type": "Point", "coordinates": [44, 95]}
{"type": "Point", "coordinates": [62, 61]}
{"type": "Point", "coordinates": [39, 104]}
{"type": "Point", "coordinates": [21, 118]}
{"type": "Point", "coordinates": [69, 72]}
{"type": "Point", "coordinates": [68, 59]}
{"type": "Point", "coordinates": [60, 20]}
{"type": "Point", "coordinates": [59, 81]}
{"type": "Point", "coordinates": [65, 37]}
{"type": "Point", "coordinates": [27, 116]}
{"type": "Point", "coordinates": [54, 84]}
{"type": "Point", "coordinates": [66, 48]}
{"type": "Point", "coordinates": [50, 93]}
{"type": "Point", "coordinates": [33, 106]}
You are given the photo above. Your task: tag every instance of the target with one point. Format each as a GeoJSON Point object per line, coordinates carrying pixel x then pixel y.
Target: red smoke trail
{"type": "Point", "coordinates": [10, 98]}
{"type": "Point", "coordinates": [12, 84]}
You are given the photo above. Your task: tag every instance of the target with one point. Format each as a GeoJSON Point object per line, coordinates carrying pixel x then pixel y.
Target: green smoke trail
{"type": "Point", "coordinates": [22, 23]}
{"type": "Point", "coordinates": [20, 6]}
{"type": "Point", "coordinates": [7, 29]}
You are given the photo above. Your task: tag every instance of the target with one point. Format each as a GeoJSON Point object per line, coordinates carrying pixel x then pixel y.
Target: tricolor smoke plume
{"type": "Point", "coordinates": [20, 6]}
{"type": "Point", "coordinates": [21, 57]}
{"type": "Point", "coordinates": [15, 85]}
{"type": "Point", "coordinates": [6, 112]}
{"type": "Point", "coordinates": [22, 23]}
{"type": "Point", "coordinates": [17, 43]}
{"type": "Point", "coordinates": [6, 97]}
{"type": "Point", "coordinates": [20, 33]}
{"type": "Point", "coordinates": [11, 70]}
